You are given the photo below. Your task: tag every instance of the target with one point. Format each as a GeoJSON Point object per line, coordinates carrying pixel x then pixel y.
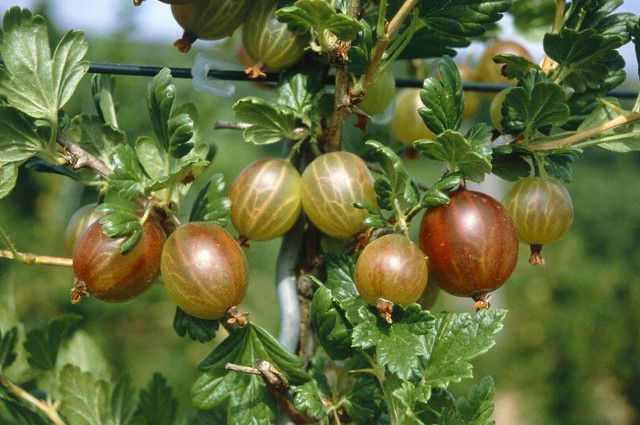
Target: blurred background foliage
{"type": "Point", "coordinates": [570, 350]}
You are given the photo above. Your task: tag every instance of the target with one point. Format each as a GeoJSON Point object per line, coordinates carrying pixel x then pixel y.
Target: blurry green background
{"type": "Point", "coordinates": [570, 349]}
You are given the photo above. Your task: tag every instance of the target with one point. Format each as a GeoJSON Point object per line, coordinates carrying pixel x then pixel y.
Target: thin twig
{"type": "Point", "coordinates": [78, 158]}
{"type": "Point", "coordinates": [584, 135]}
{"type": "Point", "coordinates": [34, 259]}
{"type": "Point", "coordinates": [46, 408]}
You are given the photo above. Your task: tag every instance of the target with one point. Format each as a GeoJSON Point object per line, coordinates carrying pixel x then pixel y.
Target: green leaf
{"type": "Point", "coordinates": [160, 95]}
{"type": "Point", "coordinates": [307, 399]}
{"type": "Point", "coordinates": [269, 123]}
{"type": "Point", "coordinates": [16, 411]}
{"type": "Point", "coordinates": [152, 157]}
{"type": "Point", "coordinates": [246, 396]}
{"type": "Point", "coordinates": [622, 139]}
{"type": "Point", "coordinates": [301, 93]}
{"type": "Point", "coordinates": [598, 16]}
{"type": "Point", "coordinates": [515, 67]}
{"type": "Point", "coordinates": [102, 88]}
{"type": "Point", "coordinates": [182, 128]}
{"type": "Point", "coordinates": [120, 221]}
{"type": "Point", "coordinates": [408, 400]}
{"type": "Point", "coordinates": [400, 345]}
{"type": "Point", "coordinates": [525, 110]}
{"type": "Point", "coordinates": [32, 80]}
{"type": "Point", "coordinates": [123, 403]}
{"type": "Point", "coordinates": [317, 16]}
{"type": "Point", "coordinates": [476, 409]}
{"type": "Point", "coordinates": [401, 188]}
{"type": "Point", "coordinates": [560, 165]}
{"type": "Point", "coordinates": [340, 279]}
{"type": "Point", "coordinates": [200, 330]}
{"type": "Point", "coordinates": [8, 343]}
{"type": "Point", "coordinates": [447, 24]}
{"type": "Point", "coordinates": [509, 163]}
{"type": "Point", "coordinates": [467, 156]}
{"type": "Point", "coordinates": [211, 204]}
{"type": "Point", "coordinates": [436, 194]}
{"type": "Point", "coordinates": [363, 402]}
{"type": "Point", "coordinates": [42, 345]}
{"type": "Point", "coordinates": [96, 137]}
{"type": "Point", "coordinates": [582, 57]}
{"type": "Point", "coordinates": [85, 400]}
{"type": "Point", "coordinates": [329, 324]}
{"type": "Point", "coordinates": [443, 99]}
{"type": "Point", "coordinates": [128, 178]}
{"type": "Point", "coordinates": [158, 405]}
{"type": "Point", "coordinates": [8, 178]}
{"type": "Point", "coordinates": [18, 138]}
{"type": "Point", "coordinates": [458, 339]}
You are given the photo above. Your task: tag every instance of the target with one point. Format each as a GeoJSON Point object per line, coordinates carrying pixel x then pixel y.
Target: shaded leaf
{"type": "Point", "coordinates": [160, 95]}
{"type": "Point", "coordinates": [96, 137]}
{"type": "Point", "coordinates": [42, 345]}
{"type": "Point", "coordinates": [515, 67]}
{"type": "Point", "coordinates": [85, 400]}
{"type": "Point", "coordinates": [8, 343]}
{"type": "Point", "coordinates": [200, 330]}
{"type": "Point", "coordinates": [211, 205]}
{"type": "Point", "coordinates": [18, 138]}
{"type": "Point", "coordinates": [128, 178]}
{"type": "Point", "coordinates": [8, 178]}
{"type": "Point", "coordinates": [158, 405]}
{"type": "Point", "coordinates": [331, 328]}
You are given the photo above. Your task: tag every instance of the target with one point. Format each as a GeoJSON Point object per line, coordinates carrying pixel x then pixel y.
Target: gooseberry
{"type": "Point", "coordinates": [491, 72]}
{"type": "Point", "coordinates": [204, 270]}
{"type": "Point", "coordinates": [471, 244]}
{"type": "Point", "coordinates": [542, 211]}
{"type": "Point", "coordinates": [103, 272]}
{"type": "Point", "coordinates": [269, 42]}
{"type": "Point", "coordinates": [81, 219]}
{"type": "Point", "coordinates": [391, 269]}
{"type": "Point", "coordinates": [330, 186]}
{"type": "Point", "coordinates": [207, 19]}
{"type": "Point", "coordinates": [379, 94]}
{"type": "Point", "coordinates": [407, 126]}
{"type": "Point", "coordinates": [266, 199]}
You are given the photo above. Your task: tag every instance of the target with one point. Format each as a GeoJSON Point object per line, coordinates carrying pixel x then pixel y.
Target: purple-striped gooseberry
{"type": "Point", "coordinates": [108, 275]}
{"type": "Point", "coordinates": [204, 270]}
{"type": "Point", "coordinates": [471, 244]}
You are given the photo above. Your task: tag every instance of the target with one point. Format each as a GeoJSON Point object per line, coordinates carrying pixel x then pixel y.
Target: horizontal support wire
{"type": "Point", "coordinates": [150, 71]}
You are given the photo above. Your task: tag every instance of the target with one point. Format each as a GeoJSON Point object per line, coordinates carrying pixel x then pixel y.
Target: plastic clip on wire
{"type": "Point", "coordinates": [203, 81]}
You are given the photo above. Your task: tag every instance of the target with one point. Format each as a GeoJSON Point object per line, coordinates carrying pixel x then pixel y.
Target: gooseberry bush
{"type": "Point", "coordinates": [357, 341]}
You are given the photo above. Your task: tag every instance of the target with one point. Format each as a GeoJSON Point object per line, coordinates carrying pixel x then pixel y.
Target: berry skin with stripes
{"type": "Point", "coordinates": [330, 186]}
{"type": "Point", "coordinates": [78, 224]}
{"type": "Point", "coordinates": [204, 270]}
{"type": "Point", "coordinates": [269, 42]}
{"type": "Point", "coordinates": [113, 277]}
{"type": "Point", "coordinates": [471, 243]}
{"type": "Point", "coordinates": [266, 199]}
{"type": "Point", "coordinates": [542, 211]}
{"type": "Point", "coordinates": [207, 19]}
{"type": "Point", "coordinates": [391, 268]}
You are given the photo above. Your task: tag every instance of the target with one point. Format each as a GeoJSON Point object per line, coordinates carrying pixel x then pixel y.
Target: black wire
{"type": "Point", "coordinates": [150, 71]}
{"type": "Point", "coordinates": [146, 70]}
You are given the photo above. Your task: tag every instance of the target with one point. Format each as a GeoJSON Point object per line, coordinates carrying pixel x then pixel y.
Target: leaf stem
{"type": "Point", "coordinates": [46, 408]}
{"type": "Point", "coordinates": [586, 134]}
{"type": "Point", "coordinates": [557, 22]}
